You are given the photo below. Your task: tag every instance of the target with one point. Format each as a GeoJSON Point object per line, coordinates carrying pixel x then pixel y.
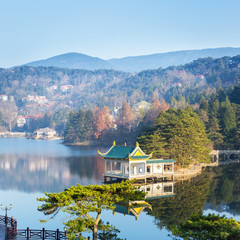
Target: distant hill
{"type": "Point", "coordinates": [72, 61]}
{"type": "Point", "coordinates": [133, 64]}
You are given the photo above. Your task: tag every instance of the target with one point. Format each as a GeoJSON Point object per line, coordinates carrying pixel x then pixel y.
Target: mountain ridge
{"type": "Point", "coordinates": [75, 60]}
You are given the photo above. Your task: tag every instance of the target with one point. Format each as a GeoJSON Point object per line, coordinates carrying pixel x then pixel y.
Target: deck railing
{"type": "Point", "coordinates": [35, 234]}
{"type": "Point", "coordinates": [9, 222]}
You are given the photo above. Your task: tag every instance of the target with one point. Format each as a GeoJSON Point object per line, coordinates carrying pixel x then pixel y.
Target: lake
{"type": "Point", "coordinates": [28, 168]}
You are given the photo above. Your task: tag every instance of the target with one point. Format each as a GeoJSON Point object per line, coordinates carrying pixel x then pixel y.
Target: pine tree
{"type": "Point", "coordinates": [178, 134]}
{"type": "Point", "coordinates": [235, 95]}
{"type": "Point", "coordinates": [228, 118]}
{"type": "Point", "coordinates": [79, 126]}
{"type": "Point", "coordinates": [214, 132]}
{"type": "Point", "coordinates": [214, 108]}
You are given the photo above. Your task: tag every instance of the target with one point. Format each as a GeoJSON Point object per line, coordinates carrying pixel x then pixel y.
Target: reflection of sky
{"type": "Point", "coordinates": [25, 210]}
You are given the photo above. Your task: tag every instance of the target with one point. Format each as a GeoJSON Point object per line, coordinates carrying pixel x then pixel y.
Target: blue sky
{"type": "Point", "coordinates": [37, 29]}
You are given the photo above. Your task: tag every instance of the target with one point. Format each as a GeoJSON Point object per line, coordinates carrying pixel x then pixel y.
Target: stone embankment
{"type": "Point", "coordinates": [12, 134]}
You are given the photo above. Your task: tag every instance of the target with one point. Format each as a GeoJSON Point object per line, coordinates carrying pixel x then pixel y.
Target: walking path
{"type": "Point", "coordinates": [191, 171]}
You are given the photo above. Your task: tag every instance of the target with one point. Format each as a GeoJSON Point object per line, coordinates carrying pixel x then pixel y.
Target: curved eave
{"type": "Point", "coordinates": [102, 154]}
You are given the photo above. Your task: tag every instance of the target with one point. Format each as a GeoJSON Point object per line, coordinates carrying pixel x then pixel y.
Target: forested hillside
{"type": "Point", "coordinates": [54, 92]}
{"type": "Point", "coordinates": [177, 85]}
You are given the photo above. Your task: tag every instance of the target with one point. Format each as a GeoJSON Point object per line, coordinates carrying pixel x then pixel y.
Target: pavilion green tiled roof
{"type": "Point", "coordinates": [119, 152]}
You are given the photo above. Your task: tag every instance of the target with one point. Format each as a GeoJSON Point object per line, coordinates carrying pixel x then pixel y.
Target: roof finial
{"type": "Point", "coordinates": [137, 144]}
{"type": "Point", "coordinates": [114, 143]}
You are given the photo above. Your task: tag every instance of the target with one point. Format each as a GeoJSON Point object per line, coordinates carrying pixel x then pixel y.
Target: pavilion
{"type": "Point", "coordinates": [130, 162]}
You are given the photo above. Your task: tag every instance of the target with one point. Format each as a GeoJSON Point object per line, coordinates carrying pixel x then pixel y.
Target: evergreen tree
{"type": "Point", "coordinates": [214, 132]}
{"type": "Point", "coordinates": [179, 135]}
{"type": "Point", "coordinates": [234, 137]}
{"type": "Point", "coordinates": [211, 226]}
{"type": "Point", "coordinates": [235, 95]}
{"type": "Point", "coordinates": [214, 108]}
{"type": "Point", "coordinates": [79, 127]}
{"type": "Point", "coordinates": [204, 105]}
{"type": "Point", "coordinates": [228, 118]}
{"type": "Point", "coordinates": [85, 204]}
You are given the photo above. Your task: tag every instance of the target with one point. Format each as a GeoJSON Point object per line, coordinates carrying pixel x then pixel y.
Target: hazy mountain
{"type": "Point", "coordinates": [133, 64]}
{"type": "Point", "coordinates": [164, 60]}
{"type": "Point", "coordinates": [72, 61]}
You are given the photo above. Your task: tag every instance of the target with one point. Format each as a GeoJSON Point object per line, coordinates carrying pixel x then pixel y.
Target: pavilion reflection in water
{"type": "Point", "coordinates": [153, 191]}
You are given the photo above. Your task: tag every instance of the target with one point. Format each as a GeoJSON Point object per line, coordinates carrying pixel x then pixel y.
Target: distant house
{"type": "Point", "coordinates": [4, 98]}
{"type": "Point", "coordinates": [64, 88]}
{"type": "Point", "coordinates": [44, 133]}
{"type": "Point", "coordinates": [238, 65]}
{"type": "Point", "coordinates": [37, 99]}
{"type": "Point", "coordinates": [126, 162]}
{"type": "Point", "coordinates": [201, 76]}
{"type": "Point", "coordinates": [116, 111]}
{"type": "Point", "coordinates": [21, 121]}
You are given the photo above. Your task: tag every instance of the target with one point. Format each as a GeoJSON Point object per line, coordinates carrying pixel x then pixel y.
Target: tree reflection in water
{"type": "Point", "coordinates": [40, 173]}
{"type": "Point", "coordinates": [190, 197]}
{"type": "Point", "coordinates": [225, 189]}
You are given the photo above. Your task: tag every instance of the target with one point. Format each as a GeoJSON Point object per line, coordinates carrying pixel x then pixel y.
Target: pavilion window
{"type": "Point", "coordinates": [168, 167]}
{"type": "Point", "coordinates": [168, 189]}
{"type": "Point", "coordinates": [116, 166]}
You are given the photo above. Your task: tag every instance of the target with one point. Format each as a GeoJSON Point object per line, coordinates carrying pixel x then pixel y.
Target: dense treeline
{"type": "Point", "coordinates": [182, 134]}
{"type": "Point", "coordinates": [104, 128]}
{"type": "Point", "coordinates": [79, 126]}
{"type": "Point", "coordinates": [221, 115]}
{"type": "Point", "coordinates": [177, 134]}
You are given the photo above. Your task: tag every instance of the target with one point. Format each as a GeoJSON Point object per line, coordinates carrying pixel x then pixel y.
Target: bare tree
{"type": "Point", "coordinates": [9, 113]}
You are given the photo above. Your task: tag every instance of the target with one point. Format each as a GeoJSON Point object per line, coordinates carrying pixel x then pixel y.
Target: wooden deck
{"type": "Point", "coordinates": [110, 178]}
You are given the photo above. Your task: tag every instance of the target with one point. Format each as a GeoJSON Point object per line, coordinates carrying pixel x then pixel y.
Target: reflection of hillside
{"type": "Point", "coordinates": [47, 174]}
{"type": "Point", "coordinates": [225, 189]}
{"type": "Point", "coordinates": [190, 197]}
{"type": "Point", "coordinates": [87, 167]}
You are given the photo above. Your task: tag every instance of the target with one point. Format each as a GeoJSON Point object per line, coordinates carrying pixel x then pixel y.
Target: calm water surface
{"type": "Point", "coordinates": [28, 168]}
